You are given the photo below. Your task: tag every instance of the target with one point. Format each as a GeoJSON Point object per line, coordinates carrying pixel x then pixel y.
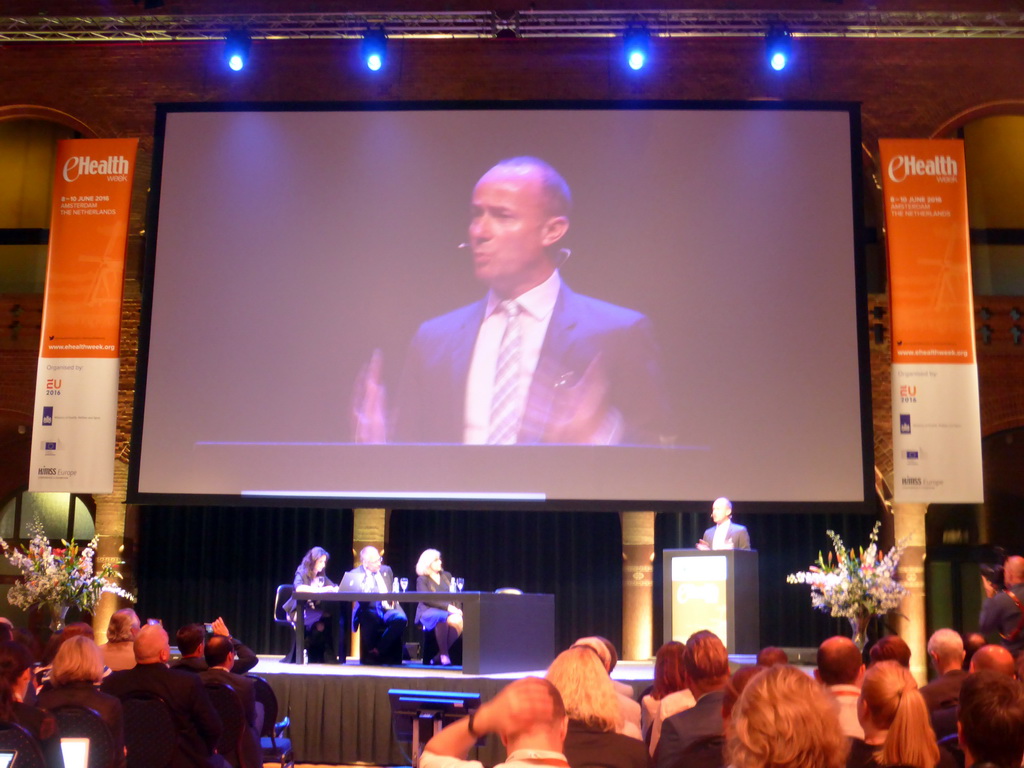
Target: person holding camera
{"type": "Point", "coordinates": [1003, 609]}
{"type": "Point", "coordinates": [191, 640]}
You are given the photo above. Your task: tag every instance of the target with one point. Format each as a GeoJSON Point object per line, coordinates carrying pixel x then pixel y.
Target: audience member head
{"type": "Point", "coordinates": [891, 648]}
{"type": "Point", "coordinates": [990, 719]}
{"type": "Point", "coordinates": [595, 644]}
{"type": "Point", "coordinates": [669, 675]}
{"type": "Point", "coordinates": [737, 682]}
{"type": "Point", "coordinates": [839, 662]}
{"type": "Point", "coordinates": [190, 639]}
{"type": "Point", "coordinates": [123, 627]}
{"type": "Point", "coordinates": [15, 674]}
{"type": "Point", "coordinates": [152, 645]}
{"type": "Point", "coordinates": [1013, 570]}
{"type": "Point", "coordinates": [783, 718]}
{"type": "Point", "coordinates": [891, 705]}
{"type": "Point", "coordinates": [78, 661]}
{"type": "Point", "coordinates": [545, 726]}
{"type": "Point", "coordinates": [73, 629]}
{"type": "Point", "coordinates": [946, 650]}
{"type": "Point", "coordinates": [314, 561]}
{"type": "Point", "coordinates": [973, 642]}
{"type": "Point", "coordinates": [769, 656]}
{"type": "Point", "coordinates": [994, 658]}
{"type": "Point", "coordinates": [219, 652]}
{"type": "Point", "coordinates": [586, 690]}
{"type": "Point", "coordinates": [706, 663]}
{"type": "Point", "coordinates": [425, 561]}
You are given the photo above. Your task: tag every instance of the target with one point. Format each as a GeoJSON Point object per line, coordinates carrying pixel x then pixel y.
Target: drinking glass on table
{"type": "Point", "coordinates": [404, 583]}
{"type": "Point", "coordinates": [459, 583]}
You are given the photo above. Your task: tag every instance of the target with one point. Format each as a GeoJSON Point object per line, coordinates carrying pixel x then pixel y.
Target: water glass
{"type": "Point", "coordinates": [404, 582]}
{"type": "Point", "coordinates": [460, 583]}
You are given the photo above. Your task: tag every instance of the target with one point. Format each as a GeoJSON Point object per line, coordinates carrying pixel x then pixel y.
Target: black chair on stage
{"type": "Point", "coordinates": [228, 703]}
{"type": "Point", "coordinates": [150, 735]}
{"type": "Point", "coordinates": [16, 739]}
{"type": "Point", "coordinates": [276, 747]}
{"type": "Point", "coordinates": [85, 723]}
{"type": "Point", "coordinates": [283, 595]}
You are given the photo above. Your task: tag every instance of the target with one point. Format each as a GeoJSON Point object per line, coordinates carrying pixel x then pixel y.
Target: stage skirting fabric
{"type": "Point", "coordinates": [343, 715]}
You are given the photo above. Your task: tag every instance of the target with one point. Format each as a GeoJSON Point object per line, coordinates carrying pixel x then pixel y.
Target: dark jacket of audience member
{"type": "Point", "coordinates": [218, 652]}
{"type": "Point", "coordinates": [77, 670]}
{"type": "Point", "coordinates": [15, 678]}
{"type": "Point", "coordinates": [197, 722]}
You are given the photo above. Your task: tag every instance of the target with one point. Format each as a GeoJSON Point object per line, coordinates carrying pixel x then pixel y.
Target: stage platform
{"type": "Point", "coordinates": [341, 715]}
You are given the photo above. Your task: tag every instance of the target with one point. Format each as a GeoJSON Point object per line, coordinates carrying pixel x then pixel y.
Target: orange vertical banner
{"type": "Point", "coordinates": [79, 355]}
{"type": "Point", "coordinates": [936, 412]}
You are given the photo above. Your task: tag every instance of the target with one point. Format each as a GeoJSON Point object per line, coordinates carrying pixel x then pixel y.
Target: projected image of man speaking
{"type": "Point", "coordinates": [532, 362]}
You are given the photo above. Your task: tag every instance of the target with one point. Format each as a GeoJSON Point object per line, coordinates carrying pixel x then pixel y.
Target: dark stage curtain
{"type": "Point", "coordinates": [194, 564]}
{"type": "Point", "coordinates": [197, 563]}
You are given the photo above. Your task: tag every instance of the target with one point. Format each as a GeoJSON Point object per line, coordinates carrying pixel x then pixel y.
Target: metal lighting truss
{"type": "Point", "coordinates": [526, 24]}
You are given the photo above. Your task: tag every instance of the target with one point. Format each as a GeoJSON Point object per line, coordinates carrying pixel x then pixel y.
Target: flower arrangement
{"type": "Point", "coordinates": [855, 585]}
{"type": "Point", "coordinates": [58, 577]}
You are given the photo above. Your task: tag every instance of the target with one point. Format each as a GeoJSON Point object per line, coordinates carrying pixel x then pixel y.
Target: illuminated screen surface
{"type": "Point", "coordinates": [290, 243]}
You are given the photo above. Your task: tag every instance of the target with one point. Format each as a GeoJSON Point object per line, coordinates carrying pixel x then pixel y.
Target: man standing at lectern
{"type": "Point", "coordinates": [725, 534]}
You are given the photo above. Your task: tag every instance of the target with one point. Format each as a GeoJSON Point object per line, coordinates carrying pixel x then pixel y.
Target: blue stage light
{"type": "Point", "coordinates": [779, 47]}
{"type": "Point", "coordinates": [236, 48]}
{"type": "Point", "coordinates": [637, 44]}
{"type": "Point", "coordinates": [375, 44]}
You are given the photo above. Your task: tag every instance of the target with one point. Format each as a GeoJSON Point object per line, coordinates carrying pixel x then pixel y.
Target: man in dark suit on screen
{"type": "Point", "coordinates": [533, 361]}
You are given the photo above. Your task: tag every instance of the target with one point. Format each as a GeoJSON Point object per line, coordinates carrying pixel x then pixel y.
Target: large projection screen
{"type": "Point", "coordinates": [291, 244]}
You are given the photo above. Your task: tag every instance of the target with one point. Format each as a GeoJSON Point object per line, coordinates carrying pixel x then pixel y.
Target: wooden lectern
{"type": "Point", "coordinates": [716, 590]}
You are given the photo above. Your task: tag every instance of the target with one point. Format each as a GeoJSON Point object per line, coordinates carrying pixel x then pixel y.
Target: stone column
{"type": "Point", "coordinates": [369, 529]}
{"type": "Point", "coordinates": [114, 527]}
{"type": "Point", "coordinates": [909, 527]}
{"type": "Point", "coordinates": [637, 584]}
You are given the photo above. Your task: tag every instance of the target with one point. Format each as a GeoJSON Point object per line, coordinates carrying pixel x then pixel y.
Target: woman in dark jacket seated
{"type": "Point", "coordinates": [15, 676]}
{"type": "Point", "coordinates": [77, 670]}
{"type": "Point", "coordinates": [594, 714]}
{"type": "Point", "coordinates": [441, 616]}
{"type": "Point", "coordinates": [320, 643]}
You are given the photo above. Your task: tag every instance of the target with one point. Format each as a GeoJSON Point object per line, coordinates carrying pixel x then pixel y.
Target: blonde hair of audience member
{"type": "Point", "coordinates": [123, 626]}
{"type": "Point", "coordinates": [784, 718]}
{"type": "Point", "coordinates": [894, 714]}
{"type": "Point", "coordinates": [78, 660]}
{"type": "Point", "coordinates": [586, 689]}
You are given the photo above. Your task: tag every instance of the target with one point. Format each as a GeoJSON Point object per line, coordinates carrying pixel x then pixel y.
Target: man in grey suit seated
{"type": "Point", "coordinates": [381, 622]}
{"type": "Point", "coordinates": [724, 534]}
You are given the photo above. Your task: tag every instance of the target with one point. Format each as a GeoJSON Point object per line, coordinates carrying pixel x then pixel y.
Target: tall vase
{"type": "Point", "coordinates": [57, 619]}
{"type": "Point", "coordinates": [859, 626]}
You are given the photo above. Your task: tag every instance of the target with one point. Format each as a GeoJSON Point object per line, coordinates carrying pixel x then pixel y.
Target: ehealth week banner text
{"type": "Point", "coordinates": [79, 355]}
{"type": "Point", "coordinates": [936, 413]}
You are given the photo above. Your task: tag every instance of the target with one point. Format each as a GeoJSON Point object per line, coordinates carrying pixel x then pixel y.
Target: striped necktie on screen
{"type": "Point", "coordinates": [506, 398]}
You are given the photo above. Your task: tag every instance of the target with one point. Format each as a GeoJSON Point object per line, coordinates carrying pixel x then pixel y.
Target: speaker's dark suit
{"type": "Point", "coordinates": [432, 398]}
{"type": "Point", "coordinates": [736, 535]}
